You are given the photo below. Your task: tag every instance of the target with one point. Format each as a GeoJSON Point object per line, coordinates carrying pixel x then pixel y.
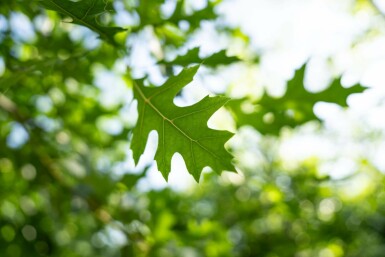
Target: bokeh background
{"type": "Point", "coordinates": [68, 183]}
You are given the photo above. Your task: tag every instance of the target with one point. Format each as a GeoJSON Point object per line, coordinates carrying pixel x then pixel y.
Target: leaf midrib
{"type": "Point", "coordinates": [148, 101]}
{"type": "Point", "coordinates": [80, 19]}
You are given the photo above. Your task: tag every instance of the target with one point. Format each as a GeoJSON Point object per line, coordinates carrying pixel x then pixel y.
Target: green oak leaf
{"type": "Point", "coordinates": [192, 56]}
{"type": "Point", "coordinates": [269, 115]}
{"type": "Point", "coordinates": [180, 129]}
{"type": "Point", "coordinates": [85, 13]}
{"type": "Point", "coordinates": [195, 18]}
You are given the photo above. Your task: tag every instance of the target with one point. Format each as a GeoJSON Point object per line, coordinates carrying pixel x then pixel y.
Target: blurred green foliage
{"type": "Point", "coordinates": [270, 114]}
{"type": "Point", "coordinates": [65, 189]}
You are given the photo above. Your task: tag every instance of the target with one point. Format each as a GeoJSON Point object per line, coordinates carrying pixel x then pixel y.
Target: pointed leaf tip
{"type": "Point", "coordinates": [180, 129]}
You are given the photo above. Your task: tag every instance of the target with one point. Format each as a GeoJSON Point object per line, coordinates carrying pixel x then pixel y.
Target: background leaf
{"type": "Point", "coordinates": [192, 56]}
{"type": "Point", "coordinates": [269, 114]}
{"type": "Point", "coordinates": [85, 13]}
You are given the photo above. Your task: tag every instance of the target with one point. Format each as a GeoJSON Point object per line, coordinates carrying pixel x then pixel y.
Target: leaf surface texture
{"type": "Point", "coordinates": [180, 129]}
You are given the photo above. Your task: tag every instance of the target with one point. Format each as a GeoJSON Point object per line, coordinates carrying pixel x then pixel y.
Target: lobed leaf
{"type": "Point", "coordinates": [180, 129]}
{"type": "Point", "coordinates": [295, 107]}
{"type": "Point", "coordinates": [192, 56]}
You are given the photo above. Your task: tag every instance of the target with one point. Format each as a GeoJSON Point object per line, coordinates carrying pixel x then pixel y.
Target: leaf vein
{"type": "Point", "coordinates": [87, 24]}
{"type": "Point", "coordinates": [147, 101]}
{"type": "Point", "coordinates": [191, 113]}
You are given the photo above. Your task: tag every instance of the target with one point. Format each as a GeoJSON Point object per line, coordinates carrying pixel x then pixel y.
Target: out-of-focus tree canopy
{"type": "Point", "coordinates": [79, 94]}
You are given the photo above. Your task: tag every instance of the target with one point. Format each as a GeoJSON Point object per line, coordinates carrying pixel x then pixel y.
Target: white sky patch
{"type": "Point", "coordinates": [208, 39]}
{"type": "Point", "coordinates": [380, 4]}
{"type": "Point", "coordinates": [79, 33]}
{"type": "Point", "coordinates": [43, 24]}
{"type": "Point", "coordinates": [379, 157]}
{"type": "Point", "coordinates": [113, 87]}
{"type": "Point", "coordinates": [18, 136]}
{"type": "Point", "coordinates": [153, 180]}
{"type": "Point", "coordinates": [2, 66]}
{"type": "Point", "coordinates": [289, 32]}
{"type": "Point", "coordinates": [339, 168]}
{"type": "Point", "coordinates": [140, 61]}
{"type": "Point", "coordinates": [148, 155]}
{"type": "Point", "coordinates": [179, 178]}
{"type": "Point", "coordinates": [21, 27]}
{"type": "Point", "coordinates": [3, 23]}
{"type": "Point", "coordinates": [301, 147]}
{"type": "Point", "coordinates": [123, 18]}
{"type": "Point", "coordinates": [111, 125]}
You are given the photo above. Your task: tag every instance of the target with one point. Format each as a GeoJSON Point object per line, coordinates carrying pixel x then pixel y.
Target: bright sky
{"type": "Point", "coordinates": [287, 33]}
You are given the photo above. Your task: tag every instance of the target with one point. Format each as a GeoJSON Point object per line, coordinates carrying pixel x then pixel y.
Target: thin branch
{"type": "Point", "coordinates": [9, 106]}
